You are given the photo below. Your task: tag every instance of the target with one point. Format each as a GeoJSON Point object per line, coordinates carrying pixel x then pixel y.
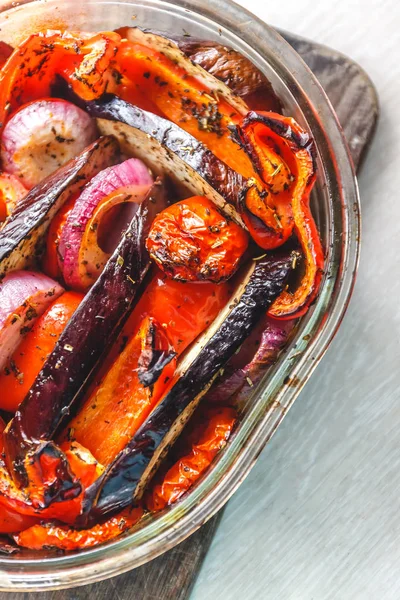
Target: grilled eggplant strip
{"type": "Point", "coordinates": [93, 327]}
{"type": "Point", "coordinates": [124, 480]}
{"type": "Point", "coordinates": [168, 149]}
{"type": "Point", "coordinates": [23, 232]}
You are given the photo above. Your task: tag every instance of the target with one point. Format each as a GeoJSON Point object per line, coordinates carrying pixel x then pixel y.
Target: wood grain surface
{"type": "Point", "coordinates": [171, 576]}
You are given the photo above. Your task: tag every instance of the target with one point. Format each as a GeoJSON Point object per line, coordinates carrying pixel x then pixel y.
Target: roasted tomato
{"type": "Point", "coordinates": [192, 241]}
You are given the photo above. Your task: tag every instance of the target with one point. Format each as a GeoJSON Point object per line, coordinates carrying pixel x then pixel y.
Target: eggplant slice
{"type": "Point", "coordinates": [125, 479]}
{"type": "Point", "coordinates": [23, 232]}
{"type": "Point", "coordinates": [90, 332]}
{"type": "Point", "coordinates": [168, 149]}
{"type": "Point", "coordinates": [234, 70]}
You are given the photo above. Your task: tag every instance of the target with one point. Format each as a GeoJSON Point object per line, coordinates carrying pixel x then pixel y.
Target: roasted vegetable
{"type": "Point", "coordinates": [50, 261]}
{"type": "Point", "coordinates": [127, 476]}
{"type": "Point", "coordinates": [21, 370]}
{"type": "Point", "coordinates": [23, 232]}
{"type": "Point", "coordinates": [233, 69]}
{"type": "Point", "coordinates": [11, 192]}
{"type": "Point", "coordinates": [83, 342]}
{"type": "Point", "coordinates": [53, 535]}
{"type": "Point", "coordinates": [70, 469]}
{"type": "Point", "coordinates": [184, 309]}
{"type": "Point", "coordinates": [81, 258]}
{"type": "Point", "coordinates": [124, 398]}
{"type": "Point", "coordinates": [30, 71]}
{"type": "Point", "coordinates": [11, 521]}
{"type": "Point", "coordinates": [207, 439]}
{"type": "Point", "coordinates": [24, 296]}
{"type": "Point", "coordinates": [246, 369]}
{"type": "Point", "coordinates": [42, 136]}
{"type": "Point", "coordinates": [191, 240]}
{"type": "Point", "coordinates": [170, 53]}
{"type": "Point", "coordinates": [297, 151]}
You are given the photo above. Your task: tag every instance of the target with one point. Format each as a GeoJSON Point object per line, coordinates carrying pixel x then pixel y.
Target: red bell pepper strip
{"type": "Point", "coordinates": [12, 521]}
{"type": "Point", "coordinates": [31, 70]}
{"type": "Point", "coordinates": [258, 131]}
{"type": "Point", "coordinates": [121, 402]}
{"type": "Point", "coordinates": [30, 501]}
{"type": "Point", "coordinates": [208, 439]}
{"type": "Point", "coordinates": [53, 535]}
{"type": "Point", "coordinates": [24, 365]}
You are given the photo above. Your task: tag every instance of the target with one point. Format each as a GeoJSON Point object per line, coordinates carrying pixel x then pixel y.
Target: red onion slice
{"type": "Point", "coordinates": [42, 136]}
{"type": "Point", "coordinates": [132, 172]}
{"type": "Point", "coordinates": [11, 192]}
{"type": "Point", "coordinates": [24, 296]}
{"type": "Point", "coordinates": [104, 229]}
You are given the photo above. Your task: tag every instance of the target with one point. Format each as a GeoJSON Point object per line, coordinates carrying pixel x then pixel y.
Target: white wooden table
{"type": "Point", "coordinates": [319, 516]}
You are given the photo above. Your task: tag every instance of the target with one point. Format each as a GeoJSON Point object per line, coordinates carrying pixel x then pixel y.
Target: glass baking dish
{"type": "Point", "coordinates": [336, 207]}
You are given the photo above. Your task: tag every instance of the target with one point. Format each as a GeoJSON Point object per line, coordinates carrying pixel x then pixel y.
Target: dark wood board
{"type": "Point", "coordinates": [171, 576]}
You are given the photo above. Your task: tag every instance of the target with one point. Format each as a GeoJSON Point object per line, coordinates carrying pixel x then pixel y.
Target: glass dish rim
{"type": "Point", "coordinates": [234, 464]}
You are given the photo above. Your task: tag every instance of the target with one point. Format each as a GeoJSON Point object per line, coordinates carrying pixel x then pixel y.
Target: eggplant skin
{"type": "Point", "coordinates": [87, 336]}
{"type": "Point", "coordinates": [126, 477]}
{"type": "Point", "coordinates": [167, 148]}
{"type": "Point", "coordinates": [22, 233]}
{"type": "Point", "coordinates": [233, 69]}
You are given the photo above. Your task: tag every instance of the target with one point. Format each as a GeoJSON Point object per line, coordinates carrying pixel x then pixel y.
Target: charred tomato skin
{"type": "Point", "coordinates": [192, 241]}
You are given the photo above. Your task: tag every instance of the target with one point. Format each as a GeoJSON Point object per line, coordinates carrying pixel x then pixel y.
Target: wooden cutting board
{"type": "Point", "coordinates": [171, 576]}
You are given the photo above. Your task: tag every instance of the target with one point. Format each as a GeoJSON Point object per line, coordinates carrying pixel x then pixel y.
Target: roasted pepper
{"type": "Point", "coordinates": [84, 60]}
{"type": "Point", "coordinates": [257, 133]}
{"type": "Point", "coordinates": [32, 501]}
{"type": "Point", "coordinates": [129, 391]}
{"type": "Point", "coordinates": [53, 535]}
{"type": "Point", "coordinates": [205, 441]}
{"type": "Point", "coordinates": [22, 369]}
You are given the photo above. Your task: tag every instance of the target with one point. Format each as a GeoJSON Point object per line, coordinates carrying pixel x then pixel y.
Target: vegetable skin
{"type": "Point", "coordinates": [233, 69]}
